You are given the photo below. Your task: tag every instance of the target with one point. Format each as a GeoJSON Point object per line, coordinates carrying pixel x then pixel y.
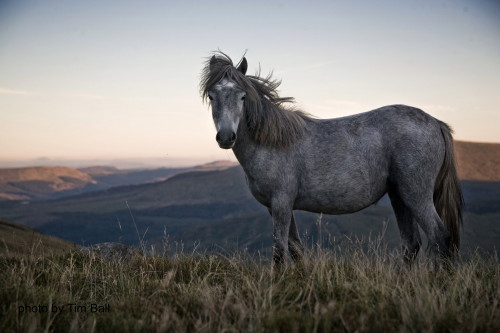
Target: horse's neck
{"type": "Point", "coordinates": [244, 148]}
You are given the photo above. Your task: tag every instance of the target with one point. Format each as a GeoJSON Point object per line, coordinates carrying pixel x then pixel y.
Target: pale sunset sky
{"type": "Point", "coordinates": [119, 79]}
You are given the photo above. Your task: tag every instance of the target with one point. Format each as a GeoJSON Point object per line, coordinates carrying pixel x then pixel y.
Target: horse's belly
{"type": "Point", "coordinates": [338, 201]}
{"type": "Point", "coordinates": [333, 208]}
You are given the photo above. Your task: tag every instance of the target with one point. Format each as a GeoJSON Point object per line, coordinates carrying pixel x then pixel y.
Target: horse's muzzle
{"type": "Point", "coordinates": [225, 139]}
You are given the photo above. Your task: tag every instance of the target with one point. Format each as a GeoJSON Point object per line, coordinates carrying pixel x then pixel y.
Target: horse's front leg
{"type": "Point", "coordinates": [282, 216]}
{"type": "Point", "coordinates": [295, 245]}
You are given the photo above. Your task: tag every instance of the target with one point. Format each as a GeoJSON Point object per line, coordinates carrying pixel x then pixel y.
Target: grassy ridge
{"type": "Point", "coordinates": [349, 288]}
{"type": "Point", "coordinates": [18, 240]}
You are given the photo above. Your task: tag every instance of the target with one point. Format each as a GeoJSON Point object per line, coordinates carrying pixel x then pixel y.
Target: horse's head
{"type": "Point", "coordinates": [227, 100]}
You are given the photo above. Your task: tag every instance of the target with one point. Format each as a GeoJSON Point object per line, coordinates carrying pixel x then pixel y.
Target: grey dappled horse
{"type": "Point", "coordinates": [336, 166]}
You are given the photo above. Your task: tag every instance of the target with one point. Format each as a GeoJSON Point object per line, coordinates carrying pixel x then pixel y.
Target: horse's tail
{"type": "Point", "coordinates": [448, 198]}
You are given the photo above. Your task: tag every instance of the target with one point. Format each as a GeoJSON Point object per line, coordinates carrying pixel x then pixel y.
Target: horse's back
{"type": "Point", "coordinates": [388, 131]}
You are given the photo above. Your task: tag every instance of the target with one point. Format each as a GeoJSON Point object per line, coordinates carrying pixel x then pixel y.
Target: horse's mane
{"type": "Point", "coordinates": [271, 120]}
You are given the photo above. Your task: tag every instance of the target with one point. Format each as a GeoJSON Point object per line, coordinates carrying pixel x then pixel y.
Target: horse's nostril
{"type": "Point", "coordinates": [225, 137]}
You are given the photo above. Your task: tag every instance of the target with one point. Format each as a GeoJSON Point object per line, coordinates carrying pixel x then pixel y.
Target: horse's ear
{"type": "Point", "coordinates": [212, 62]}
{"type": "Point", "coordinates": [243, 66]}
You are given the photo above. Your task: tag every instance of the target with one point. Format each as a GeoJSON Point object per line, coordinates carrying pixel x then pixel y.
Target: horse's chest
{"type": "Point", "coordinates": [259, 190]}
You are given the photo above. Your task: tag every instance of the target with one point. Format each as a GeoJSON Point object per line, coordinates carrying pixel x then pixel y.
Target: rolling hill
{"type": "Point", "coordinates": [16, 239]}
{"type": "Point", "coordinates": [45, 183]}
{"type": "Point", "coordinates": [40, 182]}
{"type": "Point", "coordinates": [478, 161]}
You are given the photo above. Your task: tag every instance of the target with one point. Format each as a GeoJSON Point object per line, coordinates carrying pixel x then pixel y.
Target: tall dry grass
{"type": "Point", "coordinates": [355, 286]}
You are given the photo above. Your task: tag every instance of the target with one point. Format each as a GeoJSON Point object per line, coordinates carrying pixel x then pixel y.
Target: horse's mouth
{"type": "Point", "coordinates": [226, 145]}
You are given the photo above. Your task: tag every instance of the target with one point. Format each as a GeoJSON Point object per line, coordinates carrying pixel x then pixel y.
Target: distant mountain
{"type": "Point", "coordinates": [42, 183]}
{"type": "Point", "coordinates": [100, 170]}
{"type": "Point", "coordinates": [16, 239]}
{"type": "Point", "coordinates": [107, 177]}
{"type": "Point", "coordinates": [216, 165]}
{"type": "Point", "coordinates": [121, 163]}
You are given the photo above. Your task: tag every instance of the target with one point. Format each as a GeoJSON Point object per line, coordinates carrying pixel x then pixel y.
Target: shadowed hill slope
{"type": "Point", "coordinates": [16, 239]}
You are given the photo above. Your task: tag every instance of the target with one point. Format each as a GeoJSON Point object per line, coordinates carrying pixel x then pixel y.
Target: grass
{"type": "Point", "coordinates": [353, 287]}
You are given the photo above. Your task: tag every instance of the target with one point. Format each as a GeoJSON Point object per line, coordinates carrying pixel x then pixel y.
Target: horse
{"type": "Point", "coordinates": [295, 161]}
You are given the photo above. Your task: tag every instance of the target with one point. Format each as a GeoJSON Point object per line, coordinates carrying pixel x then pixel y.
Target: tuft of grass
{"type": "Point", "coordinates": [352, 287]}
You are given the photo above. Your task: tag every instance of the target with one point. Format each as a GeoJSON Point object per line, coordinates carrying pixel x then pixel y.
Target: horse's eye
{"type": "Point", "coordinates": [210, 97]}
{"type": "Point", "coordinates": [243, 98]}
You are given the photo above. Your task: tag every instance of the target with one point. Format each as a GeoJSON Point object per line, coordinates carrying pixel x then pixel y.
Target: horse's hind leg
{"type": "Point", "coordinates": [418, 207]}
{"type": "Point", "coordinates": [439, 238]}
{"type": "Point", "coordinates": [294, 243]}
{"type": "Point", "coordinates": [408, 228]}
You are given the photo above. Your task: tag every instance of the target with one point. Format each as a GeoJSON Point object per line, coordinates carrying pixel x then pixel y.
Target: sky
{"type": "Point", "coordinates": [107, 80]}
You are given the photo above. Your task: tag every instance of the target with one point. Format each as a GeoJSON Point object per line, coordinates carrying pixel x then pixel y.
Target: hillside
{"type": "Point", "coordinates": [43, 183]}
{"type": "Point", "coordinates": [353, 288]}
{"type": "Point", "coordinates": [40, 182]}
{"type": "Point", "coordinates": [478, 161]}
{"type": "Point", "coordinates": [107, 177]}
{"type": "Point", "coordinates": [16, 239]}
